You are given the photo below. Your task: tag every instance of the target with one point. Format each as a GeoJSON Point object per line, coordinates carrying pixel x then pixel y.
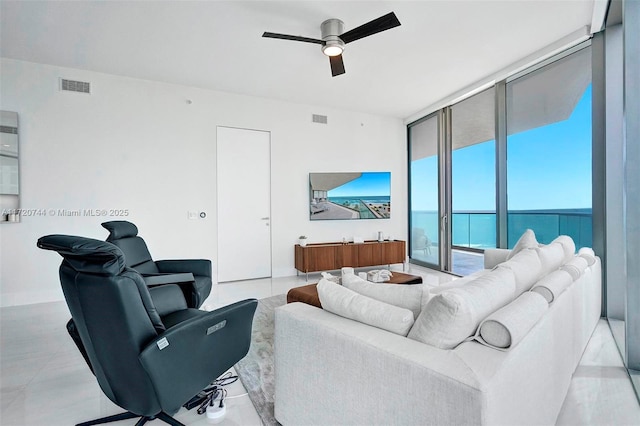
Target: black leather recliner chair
{"type": "Point", "coordinates": [124, 235]}
{"type": "Point", "coordinates": [148, 360]}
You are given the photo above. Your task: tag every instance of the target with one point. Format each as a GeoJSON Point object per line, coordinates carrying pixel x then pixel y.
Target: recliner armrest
{"type": "Point", "coordinates": [195, 266]}
{"type": "Point", "coordinates": [167, 278]}
{"type": "Point", "coordinates": [191, 354]}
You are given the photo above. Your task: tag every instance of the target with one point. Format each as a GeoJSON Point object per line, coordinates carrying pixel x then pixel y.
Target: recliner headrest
{"type": "Point", "coordinates": [86, 254]}
{"type": "Point", "coordinates": [120, 229]}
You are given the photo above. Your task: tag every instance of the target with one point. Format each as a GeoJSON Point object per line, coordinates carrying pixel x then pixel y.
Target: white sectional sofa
{"type": "Point", "coordinates": [333, 370]}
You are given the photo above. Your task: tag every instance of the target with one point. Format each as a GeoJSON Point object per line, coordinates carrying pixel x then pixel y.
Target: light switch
{"type": "Point", "coordinates": [192, 215]}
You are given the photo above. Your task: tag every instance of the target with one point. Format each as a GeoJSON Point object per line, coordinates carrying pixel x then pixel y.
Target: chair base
{"type": "Point", "coordinates": [128, 415]}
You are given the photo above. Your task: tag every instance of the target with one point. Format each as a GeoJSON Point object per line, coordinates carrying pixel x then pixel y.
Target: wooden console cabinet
{"type": "Point", "coordinates": [333, 256]}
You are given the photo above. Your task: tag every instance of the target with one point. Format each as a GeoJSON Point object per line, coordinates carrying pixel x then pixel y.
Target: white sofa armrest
{"type": "Point", "coordinates": [493, 257]}
{"type": "Point", "coordinates": [332, 370]}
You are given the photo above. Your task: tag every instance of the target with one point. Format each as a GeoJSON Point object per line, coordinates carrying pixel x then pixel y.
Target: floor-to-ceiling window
{"type": "Point", "coordinates": [424, 217]}
{"type": "Point", "coordinates": [473, 180]}
{"type": "Point", "coordinates": [473, 188]}
{"type": "Point", "coordinates": [549, 151]}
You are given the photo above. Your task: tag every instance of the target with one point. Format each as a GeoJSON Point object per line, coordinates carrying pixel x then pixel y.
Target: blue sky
{"type": "Point", "coordinates": [370, 184]}
{"type": "Point", "coordinates": [548, 167]}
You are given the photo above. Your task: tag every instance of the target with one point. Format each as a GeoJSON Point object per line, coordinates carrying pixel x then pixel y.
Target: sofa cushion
{"type": "Point", "coordinates": [526, 267]}
{"type": "Point", "coordinates": [493, 257]}
{"type": "Point", "coordinates": [575, 266]}
{"type": "Point", "coordinates": [551, 286]}
{"type": "Point", "coordinates": [403, 296]}
{"type": "Point", "coordinates": [551, 257]}
{"type": "Point", "coordinates": [568, 245]}
{"type": "Point", "coordinates": [349, 304]}
{"type": "Point", "coordinates": [506, 327]}
{"type": "Point", "coordinates": [454, 315]}
{"type": "Point", "coordinates": [588, 254]}
{"type": "Point", "coordinates": [526, 241]}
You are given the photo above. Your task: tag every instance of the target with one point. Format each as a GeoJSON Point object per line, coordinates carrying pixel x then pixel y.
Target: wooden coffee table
{"type": "Point", "coordinates": [402, 278]}
{"type": "Point", "coordinates": [309, 293]}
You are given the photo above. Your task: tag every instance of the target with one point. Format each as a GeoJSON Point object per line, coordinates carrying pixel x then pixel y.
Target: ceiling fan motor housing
{"type": "Point", "coordinates": [331, 30]}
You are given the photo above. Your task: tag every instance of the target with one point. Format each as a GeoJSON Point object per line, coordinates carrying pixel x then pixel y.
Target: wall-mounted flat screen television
{"type": "Point", "coordinates": [349, 195]}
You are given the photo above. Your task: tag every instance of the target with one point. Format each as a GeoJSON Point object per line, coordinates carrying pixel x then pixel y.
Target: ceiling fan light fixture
{"type": "Point", "coordinates": [333, 49]}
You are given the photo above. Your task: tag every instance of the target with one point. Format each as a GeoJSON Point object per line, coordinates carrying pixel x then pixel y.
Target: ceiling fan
{"type": "Point", "coordinates": [334, 39]}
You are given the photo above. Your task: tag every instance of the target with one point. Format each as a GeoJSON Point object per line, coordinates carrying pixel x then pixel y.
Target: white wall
{"type": "Point", "coordinates": [139, 145]}
{"type": "Point", "coordinates": [615, 247]}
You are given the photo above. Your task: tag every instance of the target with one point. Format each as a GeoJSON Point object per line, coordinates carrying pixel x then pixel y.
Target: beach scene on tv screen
{"type": "Point", "coordinates": [350, 195]}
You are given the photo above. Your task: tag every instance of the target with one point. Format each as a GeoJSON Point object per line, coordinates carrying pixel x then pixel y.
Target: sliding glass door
{"type": "Point", "coordinates": [424, 208]}
{"type": "Point", "coordinates": [513, 157]}
{"type": "Point", "coordinates": [473, 181]}
{"type": "Point", "coordinates": [452, 181]}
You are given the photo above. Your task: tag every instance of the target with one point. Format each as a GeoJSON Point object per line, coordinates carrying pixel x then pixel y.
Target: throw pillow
{"type": "Point", "coordinates": [454, 315]}
{"type": "Point", "coordinates": [526, 241]}
{"type": "Point", "coordinates": [403, 296]}
{"type": "Point", "coordinates": [551, 286]}
{"type": "Point", "coordinates": [506, 327]}
{"type": "Point", "coordinates": [347, 303]}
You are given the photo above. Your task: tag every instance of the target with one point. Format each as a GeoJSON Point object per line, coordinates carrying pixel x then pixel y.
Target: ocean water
{"type": "Point", "coordinates": [355, 203]}
{"type": "Point", "coordinates": [376, 199]}
{"type": "Point", "coordinates": [478, 229]}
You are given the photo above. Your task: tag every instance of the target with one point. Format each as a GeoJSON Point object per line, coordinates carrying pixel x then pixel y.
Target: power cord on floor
{"type": "Point", "coordinates": [211, 393]}
{"type": "Point", "coordinates": [237, 396]}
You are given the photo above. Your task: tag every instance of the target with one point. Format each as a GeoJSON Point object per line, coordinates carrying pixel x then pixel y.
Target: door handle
{"type": "Point", "coordinates": [264, 218]}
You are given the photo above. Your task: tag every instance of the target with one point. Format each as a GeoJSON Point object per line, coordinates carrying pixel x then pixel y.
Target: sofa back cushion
{"type": "Point", "coordinates": [568, 245]}
{"type": "Point", "coordinates": [403, 296]}
{"type": "Point", "coordinates": [527, 268]}
{"type": "Point", "coordinates": [347, 303]}
{"type": "Point", "coordinates": [551, 256]}
{"type": "Point", "coordinates": [526, 241]}
{"type": "Point", "coordinates": [454, 315]}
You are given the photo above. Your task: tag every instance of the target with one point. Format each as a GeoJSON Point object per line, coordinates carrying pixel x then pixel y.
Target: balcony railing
{"type": "Point", "coordinates": [477, 229]}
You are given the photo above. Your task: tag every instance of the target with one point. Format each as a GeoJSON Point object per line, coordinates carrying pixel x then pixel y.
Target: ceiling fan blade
{"type": "Point", "coordinates": [291, 37]}
{"type": "Point", "coordinates": [337, 65]}
{"type": "Point", "coordinates": [380, 24]}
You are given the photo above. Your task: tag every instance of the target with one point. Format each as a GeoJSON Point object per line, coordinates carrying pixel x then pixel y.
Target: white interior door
{"type": "Point", "coordinates": [244, 204]}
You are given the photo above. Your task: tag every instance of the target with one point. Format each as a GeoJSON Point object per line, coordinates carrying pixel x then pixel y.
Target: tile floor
{"type": "Point", "coordinates": [463, 262]}
{"type": "Point", "coordinates": [44, 380]}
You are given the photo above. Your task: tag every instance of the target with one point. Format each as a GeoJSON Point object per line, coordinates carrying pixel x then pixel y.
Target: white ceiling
{"type": "Point", "coordinates": [441, 46]}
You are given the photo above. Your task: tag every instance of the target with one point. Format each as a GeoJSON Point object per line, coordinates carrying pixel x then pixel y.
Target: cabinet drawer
{"type": "Point", "coordinates": [393, 252]}
{"type": "Point", "coordinates": [370, 254]}
{"type": "Point", "coordinates": [321, 258]}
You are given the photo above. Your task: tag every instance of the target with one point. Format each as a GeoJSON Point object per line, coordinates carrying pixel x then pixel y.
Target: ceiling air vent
{"type": "Point", "coordinates": [74, 86]}
{"type": "Point", "coordinates": [316, 118]}
{"type": "Point", "coordinates": [9, 129]}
